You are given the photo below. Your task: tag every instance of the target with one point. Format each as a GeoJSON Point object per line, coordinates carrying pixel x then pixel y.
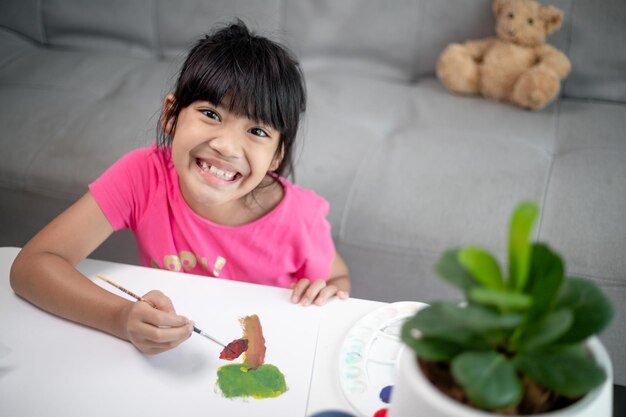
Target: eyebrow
{"type": "Point", "coordinates": [207, 103]}
{"type": "Point", "coordinates": [224, 107]}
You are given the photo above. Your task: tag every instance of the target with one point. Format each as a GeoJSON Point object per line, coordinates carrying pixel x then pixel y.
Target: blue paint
{"type": "Point", "coordinates": [385, 394]}
{"type": "Point", "coordinates": [332, 413]}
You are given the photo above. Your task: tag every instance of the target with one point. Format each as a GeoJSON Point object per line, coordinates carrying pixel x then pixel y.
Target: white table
{"type": "Point", "coordinates": [37, 346]}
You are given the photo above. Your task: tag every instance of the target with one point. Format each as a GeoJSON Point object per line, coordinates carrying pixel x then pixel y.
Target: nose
{"type": "Point", "coordinates": [228, 143]}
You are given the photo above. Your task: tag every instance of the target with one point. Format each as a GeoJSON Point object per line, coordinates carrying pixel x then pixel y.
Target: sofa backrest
{"type": "Point", "coordinates": [158, 28]}
{"type": "Point", "coordinates": [398, 39]}
{"type": "Point", "coordinates": [402, 36]}
{"type": "Point", "coordinates": [597, 35]}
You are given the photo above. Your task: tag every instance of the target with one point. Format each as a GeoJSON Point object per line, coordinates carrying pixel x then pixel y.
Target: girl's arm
{"type": "Point", "coordinates": [319, 291]}
{"type": "Point", "coordinates": [44, 273]}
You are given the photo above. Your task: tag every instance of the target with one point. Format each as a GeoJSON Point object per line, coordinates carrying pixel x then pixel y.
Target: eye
{"type": "Point", "coordinates": [211, 114]}
{"type": "Point", "coordinates": [531, 21]}
{"type": "Point", "coordinates": [259, 132]}
{"type": "Point", "coordinates": [511, 15]}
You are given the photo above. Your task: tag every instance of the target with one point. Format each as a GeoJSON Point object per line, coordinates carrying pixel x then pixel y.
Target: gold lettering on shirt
{"type": "Point", "coordinates": [219, 264]}
{"type": "Point", "coordinates": [188, 260]}
{"type": "Point", "coordinates": [172, 263]}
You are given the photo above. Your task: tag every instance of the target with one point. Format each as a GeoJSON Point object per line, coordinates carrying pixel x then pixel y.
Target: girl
{"type": "Point", "coordinates": [210, 198]}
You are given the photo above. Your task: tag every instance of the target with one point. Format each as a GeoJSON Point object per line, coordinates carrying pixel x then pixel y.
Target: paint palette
{"type": "Point", "coordinates": [369, 356]}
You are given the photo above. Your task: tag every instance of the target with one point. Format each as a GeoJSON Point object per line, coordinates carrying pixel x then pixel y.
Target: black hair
{"type": "Point", "coordinates": [260, 78]}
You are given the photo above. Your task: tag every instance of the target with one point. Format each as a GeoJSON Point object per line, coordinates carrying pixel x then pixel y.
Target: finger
{"type": "Point", "coordinates": [143, 313]}
{"type": "Point", "coordinates": [164, 315]}
{"type": "Point", "coordinates": [153, 331]}
{"type": "Point", "coordinates": [325, 294]}
{"type": "Point", "coordinates": [160, 300]}
{"type": "Point", "coordinates": [299, 289]}
{"type": "Point", "coordinates": [164, 319]}
{"type": "Point", "coordinates": [342, 295]}
{"type": "Point", "coordinates": [312, 292]}
{"type": "Point", "coordinates": [152, 348]}
{"type": "Point", "coordinates": [168, 337]}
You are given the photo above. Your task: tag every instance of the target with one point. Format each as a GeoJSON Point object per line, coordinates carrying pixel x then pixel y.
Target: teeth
{"type": "Point", "coordinates": [226, 175]}
{"type": "Point", "coordinates": [221, 173]}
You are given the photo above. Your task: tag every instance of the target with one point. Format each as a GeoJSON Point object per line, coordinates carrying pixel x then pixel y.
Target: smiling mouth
{"type": "Point", "coordinates": [217, 172]}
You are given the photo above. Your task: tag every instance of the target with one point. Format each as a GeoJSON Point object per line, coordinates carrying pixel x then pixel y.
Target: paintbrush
{"type": "Point", "coordinates": [140, 298]}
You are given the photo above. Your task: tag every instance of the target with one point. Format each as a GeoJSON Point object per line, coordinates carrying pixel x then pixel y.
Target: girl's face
{"type": "Point", "coordinates": [220, 158]}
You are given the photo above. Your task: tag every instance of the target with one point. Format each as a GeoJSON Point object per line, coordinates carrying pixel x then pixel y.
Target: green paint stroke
{"type": "Point", "coordinates": [238, 380]}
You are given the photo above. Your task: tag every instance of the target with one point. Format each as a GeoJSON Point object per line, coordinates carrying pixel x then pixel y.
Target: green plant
{"type": "Point", "coordinates": [532, 325]}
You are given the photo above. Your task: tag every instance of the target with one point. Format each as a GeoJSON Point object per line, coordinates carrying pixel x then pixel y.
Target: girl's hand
{"type": "Point", "coordinates": [317, 292]}
{"type": "Point", "coordinates": [155, 330]}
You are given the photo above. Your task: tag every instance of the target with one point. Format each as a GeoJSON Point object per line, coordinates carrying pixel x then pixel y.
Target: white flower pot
{"type": "Point", "coordinates": [414, 395]}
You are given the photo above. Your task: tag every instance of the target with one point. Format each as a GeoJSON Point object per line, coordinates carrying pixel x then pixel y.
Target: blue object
{"type": "Point", "coordinates": [385, 394]}
{"type": "Point", "coordinates": [332, 413]}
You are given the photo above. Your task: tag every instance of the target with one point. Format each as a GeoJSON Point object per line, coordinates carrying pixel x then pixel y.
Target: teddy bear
{"type": "Point", "coordinates": [517, 66]}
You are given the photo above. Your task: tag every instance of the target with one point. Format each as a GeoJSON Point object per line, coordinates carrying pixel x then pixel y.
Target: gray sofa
{"type": "Point", "coordinates": [409, 169]}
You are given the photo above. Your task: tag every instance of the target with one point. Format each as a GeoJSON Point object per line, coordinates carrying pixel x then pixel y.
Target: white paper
{"type": "Point", "coordinates": [290, 333]}
{"type": "Point", "coordinates": [63, 368]}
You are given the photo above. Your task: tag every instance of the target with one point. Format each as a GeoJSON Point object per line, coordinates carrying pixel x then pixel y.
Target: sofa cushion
{"type": "Point", "coordinates": [347, 115]}
{"type": "Point", "coordinates": [56, 123]}
{"type": "Point", "coordinates": [12, 46]}
{"type": "Point", "coordinates": [44, 68]}
{"type": "Point", "coordinates": [122, 25]}
{"type": "Point", "coordinates": [432, 106]}
{"type": "Point", "coordinates": [23, 17]}
{"type": "Point", "coordinates": [34, 118]}
{"type": "Point", "coordinates": [180, 23]}
{"type": "Point", "coordinates": [596, 50]}
{"type": "Point", "coordinates": [370, 37]}
{"type": "Point", "coordinates": [434, 179]}
{"type": "Point", "coordinates": [585, 206]}
{"type": "Point", "coordinates": [367, 31]}
{"type": "Point", "coordinates": [332, 28]}
{"type": "Point", "coordinates": [148, 28]}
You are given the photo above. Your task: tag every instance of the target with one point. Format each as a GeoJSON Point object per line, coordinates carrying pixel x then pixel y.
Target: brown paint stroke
{"type": "Point", "coordinates": [252, 330]}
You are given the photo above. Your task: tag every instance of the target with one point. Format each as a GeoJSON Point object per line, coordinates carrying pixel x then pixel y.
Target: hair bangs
{"type": "Point", "coordinates": [246, 79]}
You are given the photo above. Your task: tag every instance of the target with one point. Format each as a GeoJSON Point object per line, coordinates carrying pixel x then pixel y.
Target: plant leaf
{"type": "Point", "coordinates": [547, 330]}
{"type": "Point", "coordinates": [504, 300]}
{"type": "Point", "coordinates": [478, 318]}
{"type": "Point", "coordinates": [431, 348]}
{"type": "Point", "coordinates": [592, 310]}
{"type": "Point", "coordinates": [519, 244]}
{"type": "Point", "coordinates": [449, 268]}
{"type": "Point", "coordinates": [482, 266]}
{"type": "Point", "coordinates": [544, 280]}
{"type": "Point", "coordinates": [564, 371]}
{"type": "Point", "coordinates": [469, 326]}
{"type": "Point", "coordinates": [488, 378]}
{"type": "Point", "coordinates": [436, 321]}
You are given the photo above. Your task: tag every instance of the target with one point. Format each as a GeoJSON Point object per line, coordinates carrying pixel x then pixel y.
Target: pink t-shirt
{"type": "Point", "coordinates": [140, 192]}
